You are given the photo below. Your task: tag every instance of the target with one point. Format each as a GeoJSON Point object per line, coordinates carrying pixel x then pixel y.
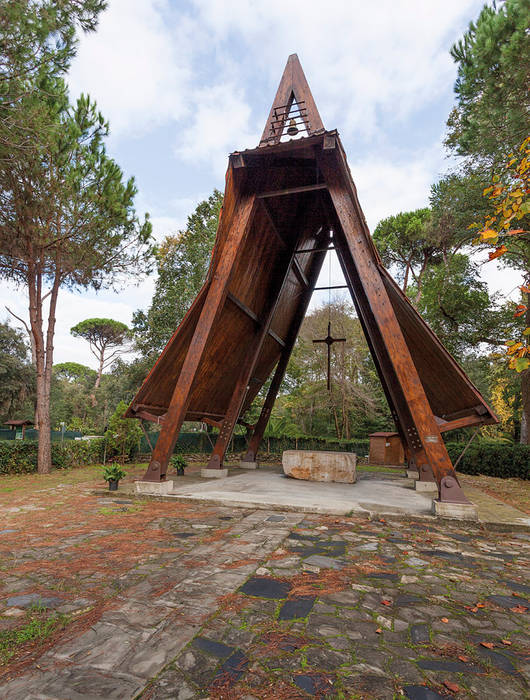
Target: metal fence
{"type": "Point", "coordinates": [189, 443]}
{"type": "Point", "coordinates": [32, 434]}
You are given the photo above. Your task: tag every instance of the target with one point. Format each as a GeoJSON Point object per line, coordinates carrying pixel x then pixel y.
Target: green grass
{"type": "Point", "coordinates": [37, 627]}
{"type": "Point", "coordinates": [378, 468]}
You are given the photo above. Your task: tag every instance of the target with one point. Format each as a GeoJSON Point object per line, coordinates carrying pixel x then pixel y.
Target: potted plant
{"type": "Point", "coordinates": [178, 462]}
{"type": "Point", "coordinates": [113, 473]}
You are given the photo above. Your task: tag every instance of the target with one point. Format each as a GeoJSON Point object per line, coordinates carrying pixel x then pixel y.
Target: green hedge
{"type": "Point", "coordinates": [500, 460]}
{"type": "Point", "coordinates": [20, 456]}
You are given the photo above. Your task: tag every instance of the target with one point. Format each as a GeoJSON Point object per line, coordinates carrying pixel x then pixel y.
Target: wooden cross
{"type": "Point", "coordinates": [329, 340]}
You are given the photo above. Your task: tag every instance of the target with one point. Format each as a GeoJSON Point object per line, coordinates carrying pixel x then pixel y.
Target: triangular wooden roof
{"type": "Point", "coordinates": [285, 203]}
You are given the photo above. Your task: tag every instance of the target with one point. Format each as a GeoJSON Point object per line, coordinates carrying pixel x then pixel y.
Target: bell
{"type": "Point", "coordinates": [292, 129]}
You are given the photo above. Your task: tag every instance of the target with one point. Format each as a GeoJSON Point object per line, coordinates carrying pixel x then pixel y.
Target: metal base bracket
{"type": "Point", "coordinates": [426, 486]}
{"type": "Point", "coordinates": [214, 473]}
{"type": "Point", "coordinates": [248, 465]}
{"type": "Point", "coordinates": [153, 488]}
{"type": "Point", "coordinates": [451, 491]}
{"type": "Point", "coordinates": [457, 511]}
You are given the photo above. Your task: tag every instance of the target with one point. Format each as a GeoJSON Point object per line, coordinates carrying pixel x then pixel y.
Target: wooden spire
{"type": "Point", "coordinates": [293, 88]}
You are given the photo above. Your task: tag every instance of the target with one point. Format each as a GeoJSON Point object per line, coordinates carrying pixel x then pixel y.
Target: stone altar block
{"type": "Point", "coordinates": [320, 466]}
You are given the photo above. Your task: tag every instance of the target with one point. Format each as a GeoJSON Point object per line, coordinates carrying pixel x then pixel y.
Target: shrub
{"type": "Point", "coordinates": [113, 473]}
{"type": "Point", "coordinates": [492, 459]}
{"type": "Point", "coordinates": [20, 457]}
{"type": "Point", "coordinates": [124, 434]}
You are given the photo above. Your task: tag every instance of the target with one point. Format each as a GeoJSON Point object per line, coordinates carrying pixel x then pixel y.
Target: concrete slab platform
{"type": "Point", "coordinates": [431, 486]}
{"type": "Point", "coordinates": [153, 488]}
{"type": "Point", "coordinates": [214, 473]}
{"type": "Point", "coordinates": [270, 489]}
{"type": "Point", "coordinates": [455, 511]}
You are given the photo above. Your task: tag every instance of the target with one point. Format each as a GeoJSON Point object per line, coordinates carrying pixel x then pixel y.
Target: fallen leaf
{"type": "Point", "coordinates": [386, 602]}
{"type": "Point", "coordinates": [488, 645]}
{"type": "Point", "coordinates": [444, 619]}
{"type": "Point", "coordinates": [463, 658]}
{"type": "Point", "coordinates": [519, 609]}
{"type": "Point", "coordinates": [378, 630]}
{"type": "Point", "coordinates": [474, 609]}
{"type": "Point", "coordinates": [506, 641]}
{"type": "Point", "coordinates": [481, 605]}
{"type": "Point", "coordinates": [453, 687]}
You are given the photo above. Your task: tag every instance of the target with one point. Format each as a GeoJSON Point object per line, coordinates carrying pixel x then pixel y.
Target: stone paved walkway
{"type": "Point", "coordinates": [170, 600]}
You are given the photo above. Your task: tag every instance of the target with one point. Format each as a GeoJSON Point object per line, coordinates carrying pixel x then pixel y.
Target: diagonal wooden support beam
{"type": "Point", "coordinates": [424, 431]}
{"type": "Point", "coordinates": [213, 304]}
{"type": "Point", "coordinates": [281, 367]}
{"type": "Point", "coordinates": [241, 387]}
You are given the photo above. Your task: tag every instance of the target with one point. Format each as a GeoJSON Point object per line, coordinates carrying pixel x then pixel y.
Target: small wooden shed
{"type": "Point", "coordinates": [19, 426]}
{"type": "Point", "coordinates": [386, 448]}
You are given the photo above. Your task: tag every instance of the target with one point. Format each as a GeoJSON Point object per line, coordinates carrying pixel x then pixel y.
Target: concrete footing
{"type": "Point", "coordinates": [153, 488]}
{"type": "Point", "coordinates": [412, 474]}
{"type": "Point", "coordinates": [214, 473]}
{"type": "Point", "coordinates": [458, 511]}
{"type": "Point", "coordinates": [248, 465]}
{"type": "Point", "coordinates": [426, 486]}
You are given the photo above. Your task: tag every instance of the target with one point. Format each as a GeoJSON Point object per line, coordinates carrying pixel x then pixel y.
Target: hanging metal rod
{"type": "Point", "coordinates": [338, 286]}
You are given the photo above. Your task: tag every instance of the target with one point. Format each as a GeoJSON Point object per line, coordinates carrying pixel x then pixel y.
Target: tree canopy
{"type": "Point", "coordinates": [105, 337]}
{"type": "Point", "coordinates": [490, 118]}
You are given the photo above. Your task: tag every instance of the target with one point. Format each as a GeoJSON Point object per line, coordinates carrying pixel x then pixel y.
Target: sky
{"type": "Point", "coordinates": [185, 82]}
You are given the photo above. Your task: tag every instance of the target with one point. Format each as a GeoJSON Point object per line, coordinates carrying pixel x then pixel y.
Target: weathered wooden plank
{"type": "Point", "coordinates": [292, 190]}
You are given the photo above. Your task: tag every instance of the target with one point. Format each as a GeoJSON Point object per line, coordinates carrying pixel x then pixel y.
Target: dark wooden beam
{"type": "Point", "coordinates": [279, 372]}
{"type": "Point", "coordinates": [276, 338]}
{"type": "Point", "coordinates": [424, 431]}
{"type": "Point", "coordinates": [336, 286]}
{"type": "Point", "coordinates": [237, 230]}
{"type": "Point", "coordinates": [292, 190]}
{"type": "Point", "coordinates": [278, 235]}
{"type": "Point", "coordinates": [314, 250]}
{"type": "Point", "coordinates": [465, 422]}
{"type": "Point", "coordinates": [299, 272]}
{"type": "Point", "coordinates": [243, 307]}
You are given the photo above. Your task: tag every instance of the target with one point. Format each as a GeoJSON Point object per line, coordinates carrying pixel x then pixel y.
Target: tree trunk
{"type": "Point", "coordinates": [44, 361]}
{"type": "Point", "coordinates": [525, 391]}
{"type": "Point", "coordinates": [100, 369]}
{"type": "Point", "coordinates": [42, 415]}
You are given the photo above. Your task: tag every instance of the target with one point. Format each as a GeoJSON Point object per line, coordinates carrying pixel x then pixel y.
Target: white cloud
{"type": "Point", "coordinates": [221, 124]}
{"type": "Point", "coordinates": [362, 59]}
{"type": "Point", "coordinates": [136, 65]}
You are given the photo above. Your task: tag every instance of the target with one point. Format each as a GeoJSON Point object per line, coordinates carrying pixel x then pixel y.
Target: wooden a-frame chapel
{"type": "Point", "coordinates": [286, 203]}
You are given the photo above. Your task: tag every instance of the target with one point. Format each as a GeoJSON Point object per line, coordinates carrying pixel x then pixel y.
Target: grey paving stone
{"type": "Point", "coordinates": [232, 669]}
{"type": "Point", "coordinates": [419, 633]}
{"type": "Point", "coordinates": [383, 576]}
{"type": "Point", "coordinates": [322, 562]}
{"type": "Point", "coordinates": [314, 684]}
{"type": "Point", "coordinates": [407, 599]}
{"type": "Point", "coordinates": [421, 692]}
{"type": "Point", "coordinates": [518, 587]}
{"type": "Point", "coordinates": [295, 608]}
{"type": "Point", "coordinates": [453, 666]}
{"type": "Point", "coordinates": [26, 601]}
{"type": "Point", "coordinates": [498, 660]}
{"type": "Point", "coordinates": [218, 649]}
{"type": "Point", "coordinates": [275, 519]}
{"type": "Point", "coordinates": [266, 588]}
{"type": "Point", "coordinates": [506, 601]}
